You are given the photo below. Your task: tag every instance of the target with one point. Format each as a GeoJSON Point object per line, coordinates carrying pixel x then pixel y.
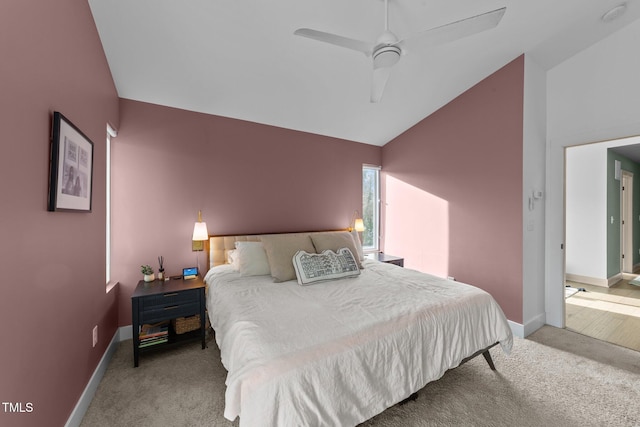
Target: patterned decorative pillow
{"type": "Point", "coordinates": [328, 265]}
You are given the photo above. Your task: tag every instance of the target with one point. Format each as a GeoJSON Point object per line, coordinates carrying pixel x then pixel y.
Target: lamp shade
{"type": "Point", "coordinates": [200, 231]}
{"type": "Point", "coordinates": [358, 224]}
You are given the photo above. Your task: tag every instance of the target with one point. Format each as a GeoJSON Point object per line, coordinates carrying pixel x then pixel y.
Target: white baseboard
{"type": "Point", "coordinates": [595, 281]}
{"type": "Point", "coordinates": [125, 333]}
{"type": "Point", "coordinates": [90, 390]}
{"type": "Point", "coordinates": [534, 324]}
{"type": "Point", "coordinates": [614, 279]}
{"type": "Point", "coordinates": [522, 331]}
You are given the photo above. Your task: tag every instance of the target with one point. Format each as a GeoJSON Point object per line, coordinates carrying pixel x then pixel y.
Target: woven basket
{"type": "Point", "coordinates": [187, 324]}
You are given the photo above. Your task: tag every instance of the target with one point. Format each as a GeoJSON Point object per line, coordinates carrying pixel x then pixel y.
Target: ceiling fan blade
{"type": "Point", "coordinates": [378, 83]}
{"type": "Point", "coordinates": [456, 30]}
{"type": "Point", "coordinates": [357, 45]}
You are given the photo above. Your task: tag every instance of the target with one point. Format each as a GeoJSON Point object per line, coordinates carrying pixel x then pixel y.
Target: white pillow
{"type": "Point", "coordinates": [311, 268]}
{"type": "Point", "coordinates": [233, 259]}
{"type": "Point", "coordinates": [252, 259]}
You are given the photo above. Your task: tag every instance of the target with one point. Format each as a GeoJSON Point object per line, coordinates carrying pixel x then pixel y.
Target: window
{"type": "Point", "coordinates": [111, 133]}
{"type": "Point", "coordinates": [371, 207]}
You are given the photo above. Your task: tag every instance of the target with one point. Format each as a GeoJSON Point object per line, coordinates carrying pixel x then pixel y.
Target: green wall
{"type": "Point", "coordinates": [613, 210]}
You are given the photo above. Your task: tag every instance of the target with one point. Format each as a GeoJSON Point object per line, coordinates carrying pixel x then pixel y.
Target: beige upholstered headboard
{"type": "Point", "coordinates": [219, 246]}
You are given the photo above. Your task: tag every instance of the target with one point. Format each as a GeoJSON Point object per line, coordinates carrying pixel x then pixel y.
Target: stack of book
{"type": "Point", "coordinates": [154, 334]}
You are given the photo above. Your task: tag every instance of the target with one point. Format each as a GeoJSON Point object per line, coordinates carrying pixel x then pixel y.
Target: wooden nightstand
{"type": "Point", "coordinates": [389, 259]}
{"type": "Point", "coordinates": [161, 301]}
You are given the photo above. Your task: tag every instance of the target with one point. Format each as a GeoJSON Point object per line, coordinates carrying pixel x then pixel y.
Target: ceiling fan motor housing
{"type": "Point", "coordinates": [386, 56]}
{"type": "Point", "coordinates": [386, 53]}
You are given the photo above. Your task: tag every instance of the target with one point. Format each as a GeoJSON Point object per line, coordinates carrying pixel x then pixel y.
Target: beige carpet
{"type": "Point", "coordinates": [553, 378]}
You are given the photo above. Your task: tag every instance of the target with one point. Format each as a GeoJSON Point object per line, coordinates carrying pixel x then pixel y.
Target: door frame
{"type": "Point", "coordinates": [626, 222]}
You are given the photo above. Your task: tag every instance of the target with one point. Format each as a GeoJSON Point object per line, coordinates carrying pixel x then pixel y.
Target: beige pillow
{"type": "Point", "coordinates": [334, 240]}
{"type": "Point", "coordinates": [280, 249]}
{"type": "Point", "coordinates": [356, 238]}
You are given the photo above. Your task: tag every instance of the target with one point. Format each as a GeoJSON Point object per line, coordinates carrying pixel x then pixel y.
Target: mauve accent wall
{"type": "Point", "coordinates": [453, 189]}
{"type": "Point", "coordinates": [52, 263]}
{"type": "Point", "coordinates": [245, 177]}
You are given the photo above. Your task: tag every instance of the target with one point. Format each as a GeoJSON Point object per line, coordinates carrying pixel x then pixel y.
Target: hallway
{"type": "Point", "coordinates": [608, 314]}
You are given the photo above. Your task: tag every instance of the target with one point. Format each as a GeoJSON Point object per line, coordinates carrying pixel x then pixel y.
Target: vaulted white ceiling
{"type": "Point", "coordinates": [240, 59]}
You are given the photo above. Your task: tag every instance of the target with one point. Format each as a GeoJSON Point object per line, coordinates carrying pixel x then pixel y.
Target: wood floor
{"type": "Point", "coordinates": [608, 314]}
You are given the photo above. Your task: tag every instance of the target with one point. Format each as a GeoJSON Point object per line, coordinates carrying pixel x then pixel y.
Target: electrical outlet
{"type": "Point", "coordinates": [95, 335]}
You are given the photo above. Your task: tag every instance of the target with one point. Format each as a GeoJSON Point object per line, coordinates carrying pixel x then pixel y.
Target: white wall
{"type": "Point", "coordinates": [534, 141]}
{"type": "Point", "coordinates": [593, 96]}
{"type": "Point", "coordinates": [586, 211]}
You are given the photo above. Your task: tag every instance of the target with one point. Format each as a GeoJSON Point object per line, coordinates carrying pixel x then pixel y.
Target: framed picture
{"type": "Point", "coordinates": [71, 171]}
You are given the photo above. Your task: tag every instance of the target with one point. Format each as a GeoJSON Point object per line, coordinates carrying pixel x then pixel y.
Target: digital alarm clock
{"type": "Point", "coordinates": [190, 272]}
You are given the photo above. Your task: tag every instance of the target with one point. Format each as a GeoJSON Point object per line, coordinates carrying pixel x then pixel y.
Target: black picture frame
{"type": "Point", "coordinates": [71, 168]}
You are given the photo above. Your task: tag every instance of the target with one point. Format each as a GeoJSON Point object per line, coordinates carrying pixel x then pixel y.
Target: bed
{"type": "Point", "coordinates": [335, 351]}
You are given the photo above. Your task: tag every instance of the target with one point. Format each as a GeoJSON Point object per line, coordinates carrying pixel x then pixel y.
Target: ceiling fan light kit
{"type": "Point", "coordinates": [387, 49]}
{"type": "Point", "coordinates": [386, 56]}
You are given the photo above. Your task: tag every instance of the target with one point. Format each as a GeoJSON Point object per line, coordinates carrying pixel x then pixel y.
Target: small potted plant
{"type": "Point", "coordinates": [148, 273]}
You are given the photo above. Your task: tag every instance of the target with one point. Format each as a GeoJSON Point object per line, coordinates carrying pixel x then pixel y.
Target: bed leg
{"type": "Point", "coordinates": [485, 353]}
{"type": "Point", "coordinates": [487, 357]}
{"type": "Point", "coordinates": [414, 396]}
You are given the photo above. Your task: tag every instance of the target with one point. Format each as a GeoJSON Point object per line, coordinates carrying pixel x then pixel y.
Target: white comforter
{"type": "Point", "coordinates": [337, 353]}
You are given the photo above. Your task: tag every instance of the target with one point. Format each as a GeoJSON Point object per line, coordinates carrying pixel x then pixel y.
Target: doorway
{"type": "Point", "coordinates": [600, 257]}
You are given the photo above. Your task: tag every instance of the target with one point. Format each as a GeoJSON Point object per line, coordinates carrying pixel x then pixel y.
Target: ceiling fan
{"type": "Point", "coordinates": [387, 49]}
